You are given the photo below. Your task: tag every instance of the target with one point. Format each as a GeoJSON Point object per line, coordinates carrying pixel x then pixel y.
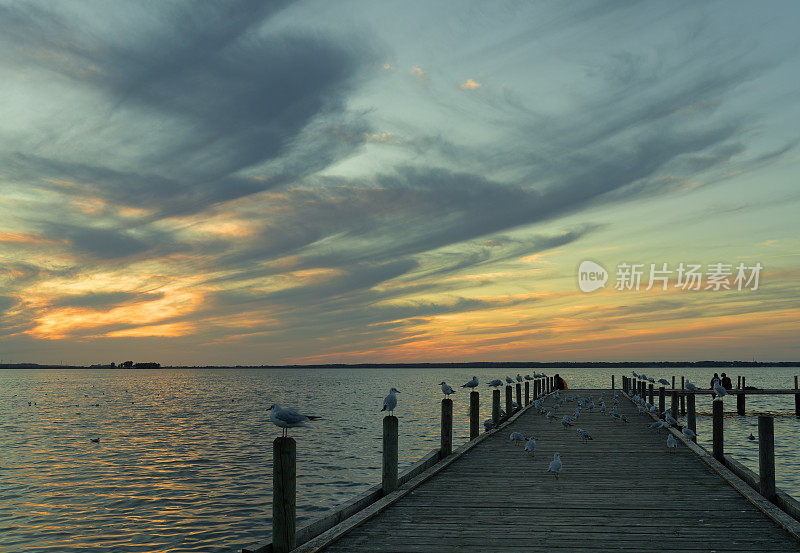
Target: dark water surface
{"type": "Point", "coordinates": [184, 458]}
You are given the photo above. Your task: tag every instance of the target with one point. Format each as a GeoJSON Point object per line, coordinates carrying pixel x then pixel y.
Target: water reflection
{"type": "Point", "coordinates": [184, 457]}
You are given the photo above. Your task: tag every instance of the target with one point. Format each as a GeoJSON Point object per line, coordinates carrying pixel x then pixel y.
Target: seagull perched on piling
{"type": "Point", "coordinates": [720, 390]}
{"type": "Point", "coordinates": [495, 383]}
{"type": "Point", "coordinates": [509, 380]}
{"type": "Point", "coordinates": [447, 390]}
{"type": "Point", "coordinates": [472, 383]}
{"type": "Point", "coordinates": [663, 381]}
{"type": "Point", "coordinates": [285, 418]}
{"type": "Point", "coordinates": [519, 378]}
{"type": "Point", "coordinates": [688, 432]}
{"type": "Point", "coordinates": [555, 465]}
{"type": "Point", "coordinates": [390, 401]}
{"type": "Point", "coordinates": [691, 387]}
{"type": "Point", "coordinates": [672, 444]}
{"type": "Point", "coordinates": [658, 425]}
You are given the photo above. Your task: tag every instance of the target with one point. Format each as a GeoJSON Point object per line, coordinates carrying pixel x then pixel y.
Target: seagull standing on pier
{"type": "Point", "coordinates": [530, 447]}
{"type": "Point", "coordinates": [516, 437]}
{"type": "Point", "coordinates": [688, 432]}
{"type": "Point", "coordinates": [555, 465]}
{"type": "Point", "coordinates": [472, 383]}
{"type": "Point", "coordinates": [390, 401]}
{"type": "Point", "coordinates": [447, 390]}
{"type": "Point", "coordinates": [286, 418]}
{"type": "Point", "coordinates": [672, 444]}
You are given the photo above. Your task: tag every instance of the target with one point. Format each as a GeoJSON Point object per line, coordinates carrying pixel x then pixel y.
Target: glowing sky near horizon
{"type": "Point", "coordinates": [264, 183]}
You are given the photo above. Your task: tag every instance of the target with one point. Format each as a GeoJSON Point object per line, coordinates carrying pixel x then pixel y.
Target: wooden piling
{"type": "Point", "coordinates": [527, 393]}
{"type": "Point", "coordinates": [496, 407]}
{"type": "Point", "coordinates": [683, 396]}
{"type": "Point", "coordinates": [519, 396]}
{"type": "Point", "coordinates": [390, 449]}
{"type": "Point", "coordinates": [509, 402]}
{"type": "Point", "coordinates": [650, 393]}
{"type": "Point", "coordinates": [719, 445]}
{"type": "Point", "coordinates": [796, 400]}
{"type": "Point", "coordinates": [691, 415]}
{"type": "Point", "coordinates": [673, 382]}
{"type": "Point", "coordinates": [739, 382]}
{"type": "Point", "coordinates": [766, 456]}
{"type": "Point", "coordinates": [284, 493]}
{"type": "Point", "coordinates": [673, 410]}
{"type": "Point", "coordinates": [661, 400]}
{"type": "Point", "coordinates": [446, 447]}
{"type": "Point", "coordinates": [612, 382]}
{"type": "Point", "coordinates": [740, 402]}
{"type": "Point", "coordinates": [474, 415]}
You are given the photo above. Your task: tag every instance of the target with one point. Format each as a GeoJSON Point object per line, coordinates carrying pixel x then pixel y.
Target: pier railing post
{"type": "Point", "coordinates": [674, 407]}
{"type": "Point", "coordinates": [284, 493]}
{"type": "Point", "coordinates": [661, 400]}
{"type": "Point", "coordinates": [509, 402]}
{"type": "Point", "coordinates": [740, 402]}
{"type": "Point", "coordinates": [474, 415]}
{"type": "Point", "coordinates": [691, 415]}
{"type": "Point", "coordinates": [496, 407]}
{"type": "Point", "coordinates": [719, 443]}
{"type": "Point", "coordinates": [796, 400]}
{"type": "Point", "coordinates": [643, 391]}
{"type": "Point", "coordinates": [766, 456]}
{"type": "Point", "coordinates": [519, 396]}
{"type": "Point", "coordinates": [446, 447]}
{"type": "Point", "coordinates": [683, 396]}
{"type": "Point", "coordinates": [389, 480]}
{"type": "Point", "coordinates": [650, 393]}
{"type": "Point", "coordinates": [739, 382]}
{"type": "Point", "coordinates": [527, 393]}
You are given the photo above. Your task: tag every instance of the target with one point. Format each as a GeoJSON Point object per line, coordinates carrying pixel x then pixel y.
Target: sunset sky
{"type": "Point", "coordinates": [263, 183]}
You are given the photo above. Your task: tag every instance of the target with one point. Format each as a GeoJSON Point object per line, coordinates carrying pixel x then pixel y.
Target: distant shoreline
{"type": "Point", "coordinates": [468, 365]}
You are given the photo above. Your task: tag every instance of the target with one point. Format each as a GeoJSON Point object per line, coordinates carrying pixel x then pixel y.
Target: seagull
{"type": "Point", "coordinates": [658, 425]}
{"type": "Point", "coordinates": [472, 383]}
{"type": "Point", "coordinates": [94, 440]}
{"type": "Point", "coordinates": [519, 378]}
{"type": "Point", "coordinates": [634, 374]}
{"type": "Point", "coordinates": [691, 387]}
{"type": "Point", "coordinates": [509, 380]}
{"type": "Point", "coordinates": [669, 418]}
{"type": "Point", "coordinates": [516, 437]}
{"type": "Point", "coordinates": [688, 432]}
{"type": "Point", "coordinates": [565, 422]}
{"type": "Point", "coordinates": [530, 447]}
{"type": "Point", "coordinates": [720, 390]}
{"type": "Point", "coordinates": [390, 401]}
{"type": "Point", "coordinates": [495, 383]}
{"type": "Point", "coordinates": [651, 380]}
{"type": "Point", "coordinates": [447, 390]}
{"type": "Point", "coordinates": [555, 465]}
{"type": "Point", "coordinates": [663, 381]}
{"type": "Point", "coordinates": [672, 443]}
{"type": "Point", "coordinates": [528, 377]}
{"type": "Point", "coordinates": [488, 424]}
{"type": "Point", "coordinates": [286, 418]}
{"type": "Point", "coordinates": [550, 416]}
{"type": "Point", "coordinates": [751, 437]}
{"type": "Point", "coordinates": [585, 436]}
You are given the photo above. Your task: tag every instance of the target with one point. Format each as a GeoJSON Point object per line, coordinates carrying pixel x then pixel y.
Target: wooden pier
{"type": "Point", "coordinates": [621, 491]}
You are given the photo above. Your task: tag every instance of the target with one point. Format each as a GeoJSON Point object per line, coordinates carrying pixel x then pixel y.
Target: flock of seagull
{"type": "Point", "coordinates": [286, 418]}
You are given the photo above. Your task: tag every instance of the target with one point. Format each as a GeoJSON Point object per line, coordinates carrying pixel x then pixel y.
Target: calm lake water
{"type": "Point", "coordinates": [184, 461]}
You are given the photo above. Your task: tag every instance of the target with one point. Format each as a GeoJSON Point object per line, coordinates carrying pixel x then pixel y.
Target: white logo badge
{"type": "Point", "coordinates": [591, 276]}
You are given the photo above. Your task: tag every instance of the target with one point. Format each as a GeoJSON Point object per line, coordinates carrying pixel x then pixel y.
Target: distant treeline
{"type": "Point", "coordinates": [474, 364]}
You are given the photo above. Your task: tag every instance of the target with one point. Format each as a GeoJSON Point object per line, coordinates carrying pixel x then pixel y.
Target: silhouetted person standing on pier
{"type": "Point", "coordinates": [726, 382]}
{"type": "Point", "coordinates": [559, 382]}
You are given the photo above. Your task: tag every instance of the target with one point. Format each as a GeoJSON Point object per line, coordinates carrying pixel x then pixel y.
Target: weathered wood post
{"type": "Point", "coordinates": [796, 399]}
{"type": "Point", "coordinates": [474, 415]}
{"type": "Point", "coordinates": [284, 493]}
{"type": "Point", "coordinates": [643, 393]}
{"type": "Point", "coordinates": [661, 400]}
{"type": "Point", "coordinates": [719, 445]}
{"type": "Point", "coordinates": [673, 382]}
{"type": "Point", "coordinates": [691, 415]}
{"type": "Point", "coordinates": [527, 393]}
{"type": "Point", "coordinates": [446, 447]}
{"type": "Point", "coordinates": [624, 384]}
{"type": "Point", "coordinates": [766, 456]}
{"type": "Point", "coordinates": [740, 402]}
{"type": "Point", "coordinates": [683, 396]}
{"type": "Point", "coordinates": [519, 395]}
{"type": "Point", "coordinates": [739, 382]}
{"type": "Point", "coordinates": [509, 402]}
{"type": "Point", "coordinates": [674, 407]}
{"type": "Point", "coordinates": [650, 393]}
{"type": "Point", "coordinates": [496, 407]}
{"type": "Point", "coordinates": [389, 480]}
{"type": "Point", "coordinates": [612, 382]}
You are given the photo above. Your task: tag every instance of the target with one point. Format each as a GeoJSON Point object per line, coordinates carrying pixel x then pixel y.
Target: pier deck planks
{"type": "Point", "coordinates": [621, 491]}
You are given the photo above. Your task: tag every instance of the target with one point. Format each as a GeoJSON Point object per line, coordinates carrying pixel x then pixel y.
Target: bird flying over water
{"type": "Point", "coordinates": [390, 401]}
{"type": "Point", "coordinates": [285, 418]}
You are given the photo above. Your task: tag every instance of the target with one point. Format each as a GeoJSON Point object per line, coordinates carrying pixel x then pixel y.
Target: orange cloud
{"type": "Point", "coordinates": [469, 84]}
{"type": "Point", "coordinates": [169, 330]}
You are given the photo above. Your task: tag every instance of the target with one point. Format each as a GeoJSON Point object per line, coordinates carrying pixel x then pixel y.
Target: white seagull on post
{"type": "Point", "coordinates": [286, 418]}
{"type": "Point", "coordinates": [472, 383]}
{"type": "Point", "coordinates": [390, 401]}
{"type": "Point", "coordinates": [447, 390]}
